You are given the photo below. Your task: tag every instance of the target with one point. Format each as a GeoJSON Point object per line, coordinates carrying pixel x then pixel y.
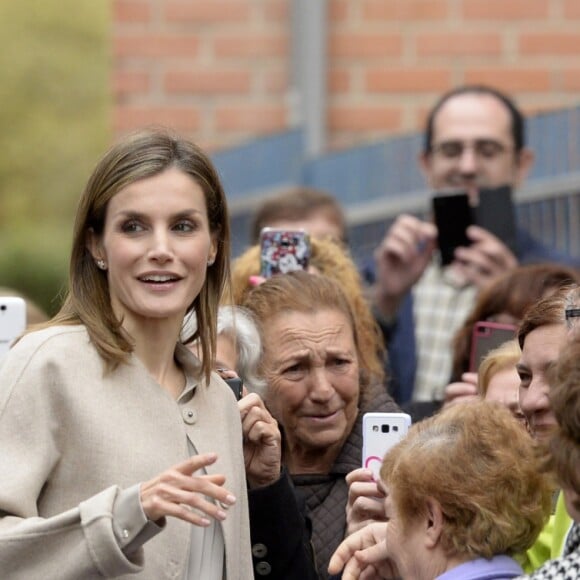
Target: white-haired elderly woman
{"type": "Point", "coordinates": [238, 347]}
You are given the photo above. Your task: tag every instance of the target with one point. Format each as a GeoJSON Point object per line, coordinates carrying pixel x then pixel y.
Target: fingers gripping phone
{"type": "Point", "coordinates": [494, 212]}
{"type": "Point", "coordinates": [283, 251]}
{"type": "Point", "coordinates": [12, 321]}
{"type": "Point", "coordinates": [381, 432]}
{"type": "Point", "coordinates": [485, 337]}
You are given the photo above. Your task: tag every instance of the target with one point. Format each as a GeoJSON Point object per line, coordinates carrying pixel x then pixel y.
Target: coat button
{"type": "Point", "coordinates": [259, 550]}
{"type": "Point", "coordinates": [189, 416]}
{"type": "Point", "coordinates": [263, 568]}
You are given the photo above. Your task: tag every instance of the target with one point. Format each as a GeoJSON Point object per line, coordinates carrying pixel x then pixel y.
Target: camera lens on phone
{"type": "Point", "coordinates": [385, 428]}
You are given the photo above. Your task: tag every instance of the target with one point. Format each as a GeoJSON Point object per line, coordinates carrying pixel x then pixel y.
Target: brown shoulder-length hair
{"type": "Point", "coordinates": [306, 293]}
{"type": "Point", "coordinates": [135, 157]}
{"type": "Point", "coordinates": [331, 260]}
{"type": "Point", "coordinates": [545, 312]}
{"type": "Point", "coordinates": [512, 294]}
{"type": "Point", "coordinates": [482, 468]}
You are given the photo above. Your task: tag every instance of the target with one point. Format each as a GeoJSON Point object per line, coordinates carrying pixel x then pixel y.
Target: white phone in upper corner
{"type": "Point", "coordinates": [12, 321]}
{"type": "Point", "coordinates": [381, 432]}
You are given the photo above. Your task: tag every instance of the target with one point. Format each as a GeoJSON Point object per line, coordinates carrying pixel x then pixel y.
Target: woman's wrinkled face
{"type": "Point", "coordinates": [311, 366]}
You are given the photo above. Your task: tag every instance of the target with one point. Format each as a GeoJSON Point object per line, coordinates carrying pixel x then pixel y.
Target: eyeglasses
{"type": "Point", "coordinates": [486, 149]}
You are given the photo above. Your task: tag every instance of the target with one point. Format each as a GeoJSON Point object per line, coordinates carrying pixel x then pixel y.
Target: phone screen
{"type": "Point", "coordinates": [283, 251]}
{"type": "Point", "coordinates": [381, 432]}
{"type": "Point", "coordinates": [453, 215]}
{"type": "Point", "coordinates": [486, 337]}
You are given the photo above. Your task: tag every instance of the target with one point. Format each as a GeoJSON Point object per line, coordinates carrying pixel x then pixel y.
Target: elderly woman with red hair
{"type": "Point", "coordinates": [463, 494]}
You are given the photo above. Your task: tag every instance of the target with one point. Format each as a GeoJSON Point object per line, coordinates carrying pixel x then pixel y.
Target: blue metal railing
{"type": "Point", "coordinates": [377, 181]}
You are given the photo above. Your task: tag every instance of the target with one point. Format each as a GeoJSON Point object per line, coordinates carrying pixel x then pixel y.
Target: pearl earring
{"type": "Point", "coordinates": [101, 264]}
{"type": "Point", "coordinates": [210, 262]}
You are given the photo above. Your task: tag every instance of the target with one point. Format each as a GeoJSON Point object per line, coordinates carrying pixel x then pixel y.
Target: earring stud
{"type": "Point", "coordinates": [101, 264]}
{"type": "Point", "coordinates": [210, 262]}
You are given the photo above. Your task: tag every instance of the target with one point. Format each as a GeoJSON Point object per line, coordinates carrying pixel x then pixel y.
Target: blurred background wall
{"type": "Point", "coordinates": [331, 93]}
{"type": "Point", "coordinates": [223, 70]}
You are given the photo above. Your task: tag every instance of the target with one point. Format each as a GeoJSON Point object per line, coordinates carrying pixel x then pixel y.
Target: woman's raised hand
{"type": "Point", "coordinates": [181, 493]}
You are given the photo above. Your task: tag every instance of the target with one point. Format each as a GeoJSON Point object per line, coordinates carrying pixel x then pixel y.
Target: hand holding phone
{"type": "Point", "coordinates": [493, 211]}
{"type": "Point", "coordinates": [283, 251]}
{"type": "Point", "coordinates": [12, 321]}
{"type": "Point", "coordinates": [381, 432]}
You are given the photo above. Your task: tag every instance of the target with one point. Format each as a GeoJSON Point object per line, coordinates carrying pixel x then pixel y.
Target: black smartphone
{"type": "Point", "coordinates": [236, 386]}
{"type": "Point", "coordinates": [453, 215]}
{"type": "Point", "coordinates": [495, 212]}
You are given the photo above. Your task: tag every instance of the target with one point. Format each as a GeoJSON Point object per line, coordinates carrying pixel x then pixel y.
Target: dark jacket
{"type": "Point", "coordinates": [280, 532]}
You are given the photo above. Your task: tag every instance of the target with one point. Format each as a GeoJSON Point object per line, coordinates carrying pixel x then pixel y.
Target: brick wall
{"type": "Point", "coordinates": [219, 70]}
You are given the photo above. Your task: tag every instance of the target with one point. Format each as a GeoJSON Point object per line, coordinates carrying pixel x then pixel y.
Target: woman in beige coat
{"type": "Point", "coordinates": [121, 453]}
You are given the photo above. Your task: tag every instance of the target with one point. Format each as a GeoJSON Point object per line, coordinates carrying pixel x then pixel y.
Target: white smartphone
{"type": "Point", "coordinates": [381, 432]}
{"type": "Point", "coordinates": [12, 321]}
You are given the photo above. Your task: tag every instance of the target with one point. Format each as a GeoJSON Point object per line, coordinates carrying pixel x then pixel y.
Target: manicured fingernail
{"type": "Point", "coordinates": [221, 515]}
{"type": "Point", "coordinates": [231, 499]}
{"type": "Point", "coordinates": [205, 522]}
{"type": "Point", "coordinates": [254, 280]}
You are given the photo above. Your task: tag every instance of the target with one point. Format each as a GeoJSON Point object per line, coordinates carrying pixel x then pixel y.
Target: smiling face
{"type": "Point", "coordinates": [311, 368]}
{"type": "Point", "coordinates": [156, 244]}
{"type": "Point", "coordinates": [541, 349]}
{"type": "Point", "coordinates": [473, 147]}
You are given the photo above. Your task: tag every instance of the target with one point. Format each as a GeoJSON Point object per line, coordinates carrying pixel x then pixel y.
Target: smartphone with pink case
{"type": "Point", "coordinates": [487, 336]}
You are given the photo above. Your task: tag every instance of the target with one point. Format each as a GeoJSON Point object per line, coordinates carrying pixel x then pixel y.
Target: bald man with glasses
{"type": "Point", "coordinates": [474, 140]}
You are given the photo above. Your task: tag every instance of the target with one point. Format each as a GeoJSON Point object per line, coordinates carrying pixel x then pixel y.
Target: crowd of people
{"type": "Point", "coordinates": [124, 452]}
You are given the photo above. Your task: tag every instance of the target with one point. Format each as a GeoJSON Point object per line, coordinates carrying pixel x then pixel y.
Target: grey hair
{"type": "Point", "coordinates": [238, 323]}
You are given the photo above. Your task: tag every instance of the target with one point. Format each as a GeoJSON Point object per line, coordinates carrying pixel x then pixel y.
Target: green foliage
{"type": "Point", "coordinates": [54, 95]}
{"type": "Point", "coordinates": [35, 263]}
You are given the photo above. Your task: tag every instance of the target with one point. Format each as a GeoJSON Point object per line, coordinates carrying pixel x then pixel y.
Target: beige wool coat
{"type": "Point", "coordinates": [71, 438]}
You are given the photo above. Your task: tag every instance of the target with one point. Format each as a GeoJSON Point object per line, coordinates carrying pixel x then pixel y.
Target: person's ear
{"type": "Point", "coordinates": [213, 250]}
{"type": "Point", "coordinates": [433, 523]}
{"type": "Point", "coordinates": [95, 247]}
{"type": "Point", "coordinates": [425, 162]}
{"type": "Point", "coordinates": [525, 161]}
